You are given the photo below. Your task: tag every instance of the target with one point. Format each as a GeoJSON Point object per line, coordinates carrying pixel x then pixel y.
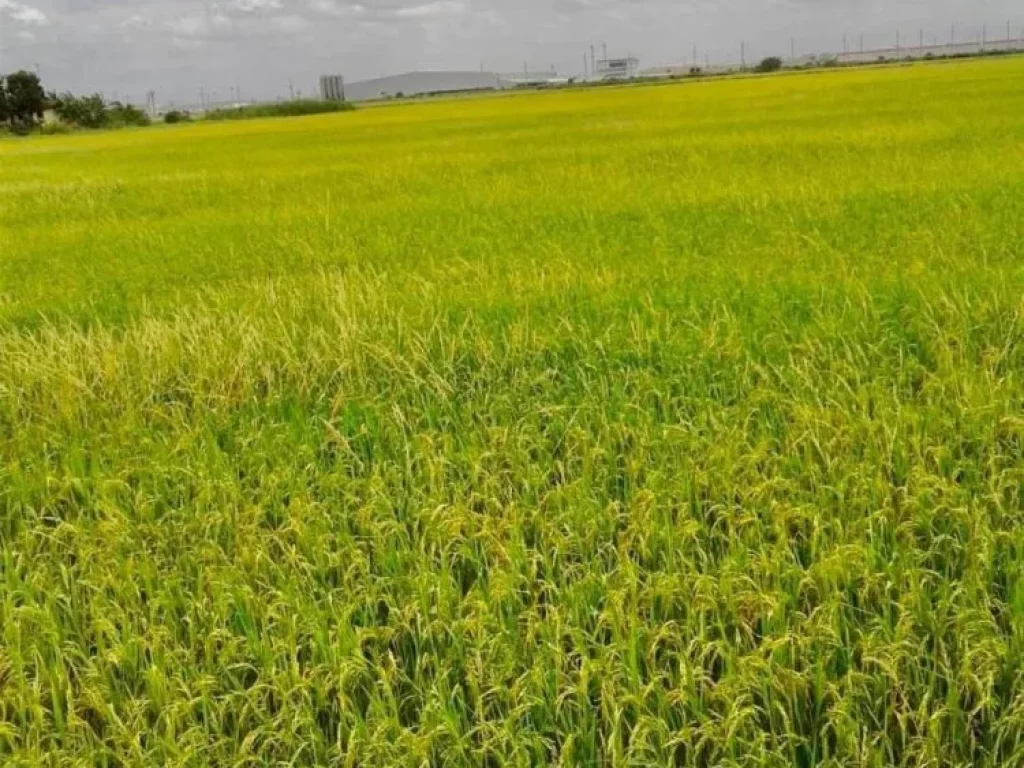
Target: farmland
{"type": "Point", "coordinates": [667, 425]}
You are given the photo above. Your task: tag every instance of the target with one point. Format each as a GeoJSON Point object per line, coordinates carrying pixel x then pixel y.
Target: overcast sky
{"type": "Point", "coordinates": [126, 47]}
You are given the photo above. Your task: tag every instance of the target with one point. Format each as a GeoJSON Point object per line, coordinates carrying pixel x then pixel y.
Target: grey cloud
{"type": "Point", "coordinates": [427, 10]}
{"type": "Point", "coordinates": [201, 25]}
{"type": "Point", "coordinates": [249, 6]}
{"type": "Point", "coordinates": [23, 14]}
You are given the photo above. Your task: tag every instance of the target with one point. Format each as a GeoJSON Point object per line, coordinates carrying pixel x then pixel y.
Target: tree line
{"type": "Point", "coordinates": [24, 103]}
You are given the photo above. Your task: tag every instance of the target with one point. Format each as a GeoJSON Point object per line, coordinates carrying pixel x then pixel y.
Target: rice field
{"type": "Point", "coordinates": [663, 425]}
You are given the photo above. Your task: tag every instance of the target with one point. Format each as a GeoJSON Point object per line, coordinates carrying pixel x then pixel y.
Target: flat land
{"type": "Point", "coordinates": [675, 424]}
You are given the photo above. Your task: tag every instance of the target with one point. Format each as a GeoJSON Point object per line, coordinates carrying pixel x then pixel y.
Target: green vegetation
{"type": "Point", "coordinates": [673, 425]}
{"type": "Point", "coordinates": [22, 101]}
{"type": "Point", "coordinates": [293, 108]}
{"type": "Point", "coordinates": [178, 116]}
{"type": "Point", "coordinates": [94, 112]}
{"type": "Point", "coordinates": [81, 111]}
{"type": "Point", "coordinates": [770, 64]}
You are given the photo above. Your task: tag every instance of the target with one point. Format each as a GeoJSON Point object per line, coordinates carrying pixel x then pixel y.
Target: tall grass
{"type": "Point", "coordinates": [633, 427]}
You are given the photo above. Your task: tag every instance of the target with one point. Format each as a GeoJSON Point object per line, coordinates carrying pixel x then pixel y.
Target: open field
{"type": "Point", "coordinates": [675, 425]}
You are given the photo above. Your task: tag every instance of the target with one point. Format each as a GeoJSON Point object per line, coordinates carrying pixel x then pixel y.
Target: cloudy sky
{"type": "Point", "coordinates": [175, 47]}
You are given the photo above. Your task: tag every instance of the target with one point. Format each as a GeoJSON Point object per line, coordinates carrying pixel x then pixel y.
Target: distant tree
{"type": "Point", "coordinates": [81, 111]}
{"type": "Point", "coordinates": [770, 64]}
{"type": "Point", "coordinates": [126, 115]}
{"type": "Point", "coordinates": [177, 116]}
{"type": "Point", "coordinates": [93, 112]}
{"type": "Point", "coordinates": [26, 99]}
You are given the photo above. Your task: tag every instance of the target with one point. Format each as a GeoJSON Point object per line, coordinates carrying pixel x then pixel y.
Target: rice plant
{"type": "Point", "coordinates": [666, 425]}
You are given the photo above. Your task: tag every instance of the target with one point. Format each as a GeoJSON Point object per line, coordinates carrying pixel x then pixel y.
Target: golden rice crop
{"type": "Point", "coordinates": [663, 425]}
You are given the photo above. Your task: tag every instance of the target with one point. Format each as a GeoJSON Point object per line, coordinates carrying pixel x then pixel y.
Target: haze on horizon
{"type": "Point", "coordinates": [175, 47]}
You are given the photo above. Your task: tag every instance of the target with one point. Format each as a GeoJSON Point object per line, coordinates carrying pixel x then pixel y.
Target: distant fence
{"type": "Point", "coordinates": [924, 51]}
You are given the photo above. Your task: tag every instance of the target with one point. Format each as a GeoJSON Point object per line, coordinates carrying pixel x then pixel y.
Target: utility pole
{"type": "Point", "coordinates": [845, 51]}
{"type": "Point", "coordinates": [897, 43]}
{"type": "Point", "coordinates": [695, 55]}
{"type": "Point", "coordinates": [952, 34]}
{"type": "Point", "coordinates": [920, 42]}
{"type": "Point", "coordinates": [604, 50]}
{"type": "Point", "coordinates": [593, 61]}
{"type": "Point", "coordinates": [862, 44]}
{"type": "Point", "coordinates": [743, 54]}
{"type": "Point", "coordinates": [792, 49]}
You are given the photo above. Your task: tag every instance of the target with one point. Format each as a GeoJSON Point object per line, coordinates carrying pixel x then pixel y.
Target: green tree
{"type": "Point", "coordinates": [26, 99]}
{"type": "Point", "coordinates": [177, 116]}
{"type": "Point", "coordinates": [126, 114]}
{"type": "Point", "coordinates": [770, 64]}
{"type": "Point", "coordinates": [84, 111]}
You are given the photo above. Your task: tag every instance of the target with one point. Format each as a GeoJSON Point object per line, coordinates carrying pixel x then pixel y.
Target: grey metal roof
{"type": "Point", "coordinates": [417, 83]}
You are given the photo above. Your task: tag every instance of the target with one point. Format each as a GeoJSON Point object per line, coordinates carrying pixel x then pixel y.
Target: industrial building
{"type": "Point", "coordinates": [617, 69]}
{"type": "Point", "coordinates": [332, 88]}
{"type": "Point", "coordinates": [532, 79]}
{"type": "Point", "coordinates": [421, 84]}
